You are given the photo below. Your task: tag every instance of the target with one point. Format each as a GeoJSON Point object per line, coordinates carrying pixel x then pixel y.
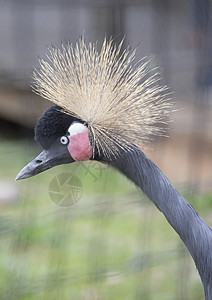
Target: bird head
{"type": "Point", "coordinates": [64, 139]}
{"type": "Point", "coordinates": [105, 104]}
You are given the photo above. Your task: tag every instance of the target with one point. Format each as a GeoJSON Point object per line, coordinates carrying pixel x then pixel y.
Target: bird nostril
{"type": "Point", "coordinates": [38, 161]}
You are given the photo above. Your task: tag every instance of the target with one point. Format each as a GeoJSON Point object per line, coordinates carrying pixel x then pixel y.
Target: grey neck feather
{"type": "Point", "coordinates": [192, 229]}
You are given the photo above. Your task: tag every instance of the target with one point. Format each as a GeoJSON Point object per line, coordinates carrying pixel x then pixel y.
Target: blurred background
{"type": "Point", "coordinates": [113, 243]}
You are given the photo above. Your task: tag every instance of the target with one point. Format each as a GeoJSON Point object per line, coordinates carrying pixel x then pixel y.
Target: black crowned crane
{"type": "Point", "coordinates": [105, 108]}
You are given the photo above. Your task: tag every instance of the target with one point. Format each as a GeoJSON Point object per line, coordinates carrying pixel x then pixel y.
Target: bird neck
{"type": "Point", "coordinates": [192, 229]}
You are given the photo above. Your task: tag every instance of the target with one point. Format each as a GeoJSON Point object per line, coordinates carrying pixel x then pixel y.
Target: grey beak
{"type": "Point", "coordinates": [44, 161]}
{"type": "Point", "coordinates": [36, 166]}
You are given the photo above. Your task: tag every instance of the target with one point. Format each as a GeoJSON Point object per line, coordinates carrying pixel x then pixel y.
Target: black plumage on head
{"type": "Point", "coordinates": [53, 124]}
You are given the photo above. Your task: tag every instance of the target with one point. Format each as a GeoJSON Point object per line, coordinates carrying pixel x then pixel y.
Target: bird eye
{"type": "Point", "coordinates": [64, 140]}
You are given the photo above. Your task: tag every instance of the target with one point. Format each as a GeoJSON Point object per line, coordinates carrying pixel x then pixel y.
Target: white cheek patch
{"type": "Point", "coordinates": [76, 128]}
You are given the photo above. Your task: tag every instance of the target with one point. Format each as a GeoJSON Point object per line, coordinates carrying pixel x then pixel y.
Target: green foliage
{"type": "Point", "coordinates": [113, 244]}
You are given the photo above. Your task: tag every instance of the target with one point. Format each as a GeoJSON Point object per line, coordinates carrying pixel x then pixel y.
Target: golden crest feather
{"type": "Point", "coordinates": [121, 102]}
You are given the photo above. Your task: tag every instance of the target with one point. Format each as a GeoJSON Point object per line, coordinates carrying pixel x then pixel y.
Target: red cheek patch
{"type": "Point", "coordinates": [79, 146]}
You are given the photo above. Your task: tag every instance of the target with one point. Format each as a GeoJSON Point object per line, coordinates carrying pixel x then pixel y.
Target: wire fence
{"type": "Point", "coordinates": [112, 243]}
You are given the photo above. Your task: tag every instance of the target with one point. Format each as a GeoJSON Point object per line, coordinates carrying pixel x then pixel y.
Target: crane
{"type": "Point", "coordinates": [105, 108]}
